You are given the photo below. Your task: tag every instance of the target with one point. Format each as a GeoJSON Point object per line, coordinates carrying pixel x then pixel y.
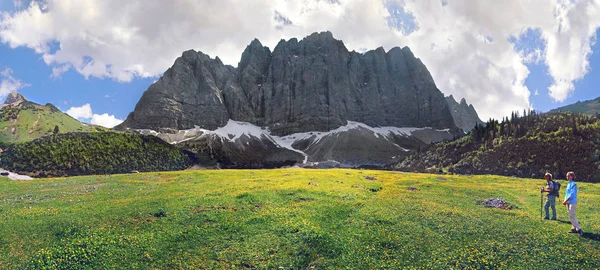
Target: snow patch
{"type": "Point", "coordinates": [147, 132]}
{"type": "Point", "coordinates": [15, 176]}
{"type": "Point", "coordinates": [384, 132]}
{"type": "Point", "coordinates": [234, 130]}
{"type": "Point", "coordinates": [286, 143]}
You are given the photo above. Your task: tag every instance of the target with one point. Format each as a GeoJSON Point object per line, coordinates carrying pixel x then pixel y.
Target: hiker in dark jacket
{"type": "Point", "coordinates": [551, 197]}
{"type": "Point", "coordinates": [571, 203]}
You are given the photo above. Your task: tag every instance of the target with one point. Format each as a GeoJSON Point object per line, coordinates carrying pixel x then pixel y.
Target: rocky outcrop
{"type": "Point", "coordinates": [314, 84]}
{"type": "Point", "coordinates": [14, 98]}
{"type": "Point", "coordinates": [464, 115]}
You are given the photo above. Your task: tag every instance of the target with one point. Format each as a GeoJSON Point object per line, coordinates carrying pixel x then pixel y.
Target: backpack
{"type": "Point", "coordinates": [556, 188]}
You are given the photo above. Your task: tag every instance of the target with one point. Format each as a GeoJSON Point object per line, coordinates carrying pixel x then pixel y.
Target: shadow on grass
{"type": "Point", "coordinates": [591, 236]}
{"type": "Point", "coordinates": [564, 221]}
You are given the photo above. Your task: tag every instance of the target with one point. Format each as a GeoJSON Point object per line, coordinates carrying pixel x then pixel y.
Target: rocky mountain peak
{"type": "Point", "coordinates": [464, 114]}
{"type": "Point", "coordinates": [14, 98]}
{"type": "Point", "coordinates": [255, 53]}
{"type": "Point", "coordinates": [314, 84]}
{"type": "Point", "coordinates": [189, 55]}
{"type": "Point", "coordinates": [320, 36]}
{"type": "Point", "coordinates": [255, 43]}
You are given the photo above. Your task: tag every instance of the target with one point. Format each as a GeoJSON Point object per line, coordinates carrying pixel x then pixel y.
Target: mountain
{"type": "Point", "coordinates": [464, 115]}
{"type": "Point", "coordinates": [22, 120]}
{"type": "Point", "coordinates": [528, 146]}
{"type": "Point", "coordinates": [590, 107]}
{"type": "Point", "coordinates": [310, 86]}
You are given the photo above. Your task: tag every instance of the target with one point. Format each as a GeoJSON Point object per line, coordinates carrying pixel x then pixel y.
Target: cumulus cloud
{"type": "Point", "coordinates": [105, 120]}
{"type": "Point", "coordinates": [82, 112]}
{"type": "Point", "coordinates": [468, 46]}
{"type": "Point", "coordinates": [8, 83]}
{"type": "Point", "coordinates": [85, 112]}
{"type": "Point", "coordinates": [569, 44]}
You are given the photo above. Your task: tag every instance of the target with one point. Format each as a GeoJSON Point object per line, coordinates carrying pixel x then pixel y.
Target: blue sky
{"type": "Point", "coordinates": [111, 56]}
{"type": "Point", "coordinates": [71, 89]}
{"type": "Point", "coordinates": [539, 79]}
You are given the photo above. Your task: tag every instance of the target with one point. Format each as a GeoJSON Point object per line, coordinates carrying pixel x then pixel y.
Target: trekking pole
{"type": "Point", "coordinates": [541, 202]}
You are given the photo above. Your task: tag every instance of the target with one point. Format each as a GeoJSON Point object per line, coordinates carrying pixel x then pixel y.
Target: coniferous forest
{"type": "Point", "coordinates": [92, 153]}
{"type": "Point", "coordinates": [527, 145]}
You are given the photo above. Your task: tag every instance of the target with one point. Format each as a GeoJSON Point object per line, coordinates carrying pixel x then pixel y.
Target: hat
{"type": "Point", "coordinates": [548, 174]}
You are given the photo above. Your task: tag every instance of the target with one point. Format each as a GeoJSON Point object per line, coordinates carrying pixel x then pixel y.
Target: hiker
{"type": "Point", "coordinates": [571, 203]}
{"type": "Point", "coordinates": [551, 197]}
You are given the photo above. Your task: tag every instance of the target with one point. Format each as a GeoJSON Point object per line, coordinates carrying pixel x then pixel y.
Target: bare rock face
{"type": "Point", "coordinates": [14, 98]}
{"type": "Point", "coordinates": [188, 95]}
{"type": "Point", "coordinates": [314, 84]}
{"type": "Point", "coordinates": [464, 115]}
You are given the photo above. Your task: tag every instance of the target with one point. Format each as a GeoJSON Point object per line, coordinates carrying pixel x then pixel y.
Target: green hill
{"type": "Point", "coordinates": [289, 219]}
{"type": "Point", "coordinates": [526, 146]}
{"type": "Point", "coordinates": [79, 153]}
{"type": "Point", "coordinates": [23, 121]}
{"type": "Point", "coordinates": [589, 107]}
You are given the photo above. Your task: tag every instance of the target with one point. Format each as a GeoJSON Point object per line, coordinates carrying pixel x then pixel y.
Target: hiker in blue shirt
{"type": "Point", "coordinates": [571, 203]}
{"type": "Point", "coordinates": [551, 197]}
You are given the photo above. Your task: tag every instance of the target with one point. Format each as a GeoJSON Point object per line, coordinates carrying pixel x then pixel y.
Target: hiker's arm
{"type": "Point", "coordinates": [568, 195]}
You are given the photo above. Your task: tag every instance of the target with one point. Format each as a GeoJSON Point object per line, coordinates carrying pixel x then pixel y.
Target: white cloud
{"type": "Point", "coordinates": [17, 3]}
{"type": "Point", "coordinates": [82, 112]}
{"type": "Point", "coordinates": [465, 44]}
{"type": "Point", "coordinates": [8, 83]}
{"type": "Point", "coordinates": [59, 70]}
{"type": "Point", "coordinates": [105, 120]}
{"type": "Point", "coordinates": [85, 113]}
{"type": "Point", "coordinates": [569, 44]}
{"type": "Point", "coordinates": [536, 93]}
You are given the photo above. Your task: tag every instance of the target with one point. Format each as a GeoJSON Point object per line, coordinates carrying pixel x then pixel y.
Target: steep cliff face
{"type": "Point", "coordinates": [314, 84]}
{"type": "Point", "coordinates": [188, 94]}
{"type": "Point", "coordinates": [464, 115]}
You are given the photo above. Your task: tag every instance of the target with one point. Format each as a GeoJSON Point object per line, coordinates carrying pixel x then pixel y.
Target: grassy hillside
{"type": "Point", "coordinates": [526, 146]}
{"type": "Point", "coordinates": [80, 153]}
{"type": "Point", "coordinates": [589, 107]}
{"type": "Point", "coordinates": [288, 219]}
{"type": "Point", "coordinates": [28, 121]}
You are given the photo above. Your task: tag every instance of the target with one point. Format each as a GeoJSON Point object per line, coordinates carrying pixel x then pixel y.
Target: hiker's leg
{"type": "Point", "coordinates": [572, 217]}
{"type": "Point", "coordinates": [553, 205]}
{"type": "Point", "coordinates": [546, 205]}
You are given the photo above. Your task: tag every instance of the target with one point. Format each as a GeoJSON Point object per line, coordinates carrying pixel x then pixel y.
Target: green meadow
{"type": "Point", "coordinates": [289, 219]}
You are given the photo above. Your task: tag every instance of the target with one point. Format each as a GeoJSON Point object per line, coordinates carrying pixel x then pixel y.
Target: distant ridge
{"type": "Point", "coordinates": [589, 107]}
{"type": "Point", "coordinates": [22, 120]}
